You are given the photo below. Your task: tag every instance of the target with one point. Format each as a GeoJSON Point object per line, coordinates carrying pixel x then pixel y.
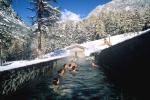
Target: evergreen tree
{"type": "Point", "coordinates": [45, 14]}
{"type": "Point", "coordinates": [7, 3]}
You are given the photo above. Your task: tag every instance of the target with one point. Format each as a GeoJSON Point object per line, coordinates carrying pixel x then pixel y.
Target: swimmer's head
{"type": "Point", "coordinates": [69, 65]}
{"type": "Point", "coordinates": [65, 65]}
{"type": "Point", "coordinates": [55, 81]}
{"type": "Point", "coordinates": [60, 70]}
{"type": "Point", "coordinates": [73, 67]}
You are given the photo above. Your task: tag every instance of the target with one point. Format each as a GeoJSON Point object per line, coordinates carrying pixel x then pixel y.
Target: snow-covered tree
{"type": "Point", "coordinates": [7, 3]}
{"type": "Point", "coordinates": [45, 14]}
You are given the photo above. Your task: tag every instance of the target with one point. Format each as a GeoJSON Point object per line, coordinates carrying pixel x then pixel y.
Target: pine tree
{"type": "Point", "coordinates": [7, 3]}
{"type": "Point", "coordinates": [45, 14]}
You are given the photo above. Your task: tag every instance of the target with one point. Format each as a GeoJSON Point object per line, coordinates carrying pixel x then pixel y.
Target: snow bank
{"type": "Point", "coordinates": [91, 47]}
{"type": "Point", "coordinates": [98, 45]}
{"type": "Point", "coordinates": [23, 63]}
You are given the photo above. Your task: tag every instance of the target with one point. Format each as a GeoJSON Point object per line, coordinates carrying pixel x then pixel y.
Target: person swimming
{"type": "Point", "coordinates": [55, 81]}
{"type": "Point", "coordinates": [61, 72]}
{"type": "Point", "coordinates": [69, 67]}
{"type": "Point", "coordinates": [93, 65]}
{"type": "Point", "coordinates": [73, 68]}
{"type": "Point", "coordinates": [73, 63]}
{"type": "Point", "coordinates": [65, 66]}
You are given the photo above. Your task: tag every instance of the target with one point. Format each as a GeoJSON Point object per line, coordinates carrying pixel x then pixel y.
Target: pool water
{"type": "Point", "coordinates": [87, 84]}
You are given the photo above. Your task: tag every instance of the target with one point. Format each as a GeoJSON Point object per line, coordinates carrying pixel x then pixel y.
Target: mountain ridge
{"type": "Point", "coordinates": [119, 16]}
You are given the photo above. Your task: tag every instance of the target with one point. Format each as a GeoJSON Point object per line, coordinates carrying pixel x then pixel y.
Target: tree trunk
{"type": "Point", "coordinates": [40, 12]}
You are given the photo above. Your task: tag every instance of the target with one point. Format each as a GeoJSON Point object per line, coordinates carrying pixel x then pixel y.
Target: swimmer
{"type": "Point", "coordinates": [55, 81]}
{"type": "Point", "coordinates": [61, 72]}
{"type": "Point", "coordinates": [69, 67]}
{"type": "Point", "coordinates": [74, 69]}
{"type": "Point", "coordinates": [73, 63]}
{"type": "Point", "coordinates": [65, 66]}
{"type": "Point", "coordinates": [94, 65]}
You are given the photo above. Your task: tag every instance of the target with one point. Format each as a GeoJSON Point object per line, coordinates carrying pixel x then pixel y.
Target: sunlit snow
{"type": "Point", "coordinates": [91, 47]}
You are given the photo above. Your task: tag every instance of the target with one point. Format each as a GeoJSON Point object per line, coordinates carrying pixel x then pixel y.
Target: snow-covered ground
{"type": "Point", "coordinates": [23, 63]}
{"type": "Point", "coordinates": [91, 47]}
{"type": "Point", "coordinates": [99, 45]}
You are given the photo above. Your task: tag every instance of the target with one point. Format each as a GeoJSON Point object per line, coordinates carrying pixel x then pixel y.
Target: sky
{"type": "Point", "coordinates": [71, 9]}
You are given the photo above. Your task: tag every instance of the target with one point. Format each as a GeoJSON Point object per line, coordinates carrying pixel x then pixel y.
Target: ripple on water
{"type": "Point", "coordinates": [87, 84]}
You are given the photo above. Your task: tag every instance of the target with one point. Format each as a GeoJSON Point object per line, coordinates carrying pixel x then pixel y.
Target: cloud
{"type": "Point", "coordinates": [68, 15]}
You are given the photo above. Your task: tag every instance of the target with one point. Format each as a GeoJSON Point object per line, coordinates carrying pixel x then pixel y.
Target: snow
{"type": "Point", "coordinates": [1, 14]}
{"type": "Point", "coordinates": [98, 45]}
{"type": "Point", "coordinates": [23, 63]}
{"type": "Point", "coordinates": [6, 20]}
{"type": "Point", "coordinates": [109, 9]}
{"type": "Point", "coordinates": [127, 8]}
{"type": "Point", "coordinates": [91, 47]}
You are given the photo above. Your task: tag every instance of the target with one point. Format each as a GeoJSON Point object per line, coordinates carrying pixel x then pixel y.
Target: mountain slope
{"type": "Point", "coordinates": [13, 33]}
{"type": "Point", "coordinates": [119, 16]}
{"type": "Point", "coordinates": [120, 5]}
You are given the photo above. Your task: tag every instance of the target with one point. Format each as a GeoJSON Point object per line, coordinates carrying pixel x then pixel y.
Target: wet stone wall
{"type": "Point", "coordinates": [127, 66]}
{"type": "Point", "coordinates": [12, 80]}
